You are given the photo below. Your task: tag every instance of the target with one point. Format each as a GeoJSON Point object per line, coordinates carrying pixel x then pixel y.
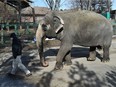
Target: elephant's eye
{"type": "Point", "coordinates": [55, 21]}
{"type": "Point", "coordinates": [44, 27]}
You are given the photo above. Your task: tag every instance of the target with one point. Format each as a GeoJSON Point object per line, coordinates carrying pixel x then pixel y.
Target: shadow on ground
{"type": "Point", "coordinates": [20, 80]}
{"type": "Point", "coordinates": [111, 78]}
{"type": "Point", "coordinates": [76, 52]}
{"type": "Point", "coordinates": [6, 81]}
{"type": "Point", "coordinates": [80, 77]}
{"type": "Point", "coordinates": [79, 74]}
{"type": "Point", "coordinates": [45, 80]}
{"type": "Point", "coordinates": [28, 60]}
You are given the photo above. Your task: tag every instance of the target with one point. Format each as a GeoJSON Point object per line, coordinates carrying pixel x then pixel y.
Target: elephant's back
{"type": "Point", "coordinates": [83, 20]}
{"type": "Point", "coordinates": [88, 28]}
{"type": "Point", "coordinates": [82, 16]}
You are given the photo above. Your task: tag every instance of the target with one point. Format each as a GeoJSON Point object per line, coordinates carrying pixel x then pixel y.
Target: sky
{"type": "Point", "coordinates": [114, 5]}
{"type": "Point", "coordinates": [42, 3]}
{"type": "Point", "coordinates": [64, 4]}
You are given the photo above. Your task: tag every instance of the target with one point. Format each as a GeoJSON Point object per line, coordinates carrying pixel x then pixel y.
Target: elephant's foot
{"type": "Point", "coordinates": [44, 63]}
{"type": "Point", "coordinates": [67, 63]}
{"type": "Point", "coordinates": [58, 66]}
{"type": "Point", "coordinates": [105, 59]}
{"type": "Point", "coordinates": [91, 59]}
{"type": "Point", "coordinates": [92, 56]}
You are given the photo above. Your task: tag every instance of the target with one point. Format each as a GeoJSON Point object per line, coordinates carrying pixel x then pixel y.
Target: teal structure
{"type": "Point", "coordinates": [107, 15]}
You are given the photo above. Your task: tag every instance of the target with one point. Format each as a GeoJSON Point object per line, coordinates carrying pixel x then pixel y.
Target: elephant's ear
{"type": "Point", "coordinates": [60, 27]}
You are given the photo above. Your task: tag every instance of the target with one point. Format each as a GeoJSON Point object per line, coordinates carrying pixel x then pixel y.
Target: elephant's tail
{"type": "Point", "coordinates": [99, 47]}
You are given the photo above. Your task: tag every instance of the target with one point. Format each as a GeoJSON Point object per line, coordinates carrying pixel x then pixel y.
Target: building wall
{"type": "Point", "coordinates": [30, 18]}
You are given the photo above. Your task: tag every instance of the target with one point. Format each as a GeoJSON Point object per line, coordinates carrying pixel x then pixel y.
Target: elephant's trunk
{"type": "Point", "coordinates": [39, 41]}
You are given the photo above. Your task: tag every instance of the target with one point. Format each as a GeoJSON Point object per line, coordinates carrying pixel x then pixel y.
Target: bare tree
{"type": "Point", "coordinates": [53, 4]}
{"type": "Point", "coordinates": [96, 5]}
{"type": "Point", "coordinates": [81, 4]}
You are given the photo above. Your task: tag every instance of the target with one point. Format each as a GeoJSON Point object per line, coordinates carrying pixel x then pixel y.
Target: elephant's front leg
{"type": "Point", "coordinates": [64, 49]}
{"type": "Point", "coordinates": [67, 59]}
{"type": "Point", "coordinates": [43, 62]}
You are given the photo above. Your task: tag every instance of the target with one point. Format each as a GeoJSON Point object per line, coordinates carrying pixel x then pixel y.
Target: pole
{"type": "Point", "coordinates": [89, 5]}
{"type": "Point", "coordinates": [108, 9]}
{"type": "Point", "coordinates": [2, 29]}
{"type": "Point", "coordinates": [33, 12]}
{"type": "Point", "coordinates": [19, 10]}
{"type": "Point", "coordinates": [2, 34]}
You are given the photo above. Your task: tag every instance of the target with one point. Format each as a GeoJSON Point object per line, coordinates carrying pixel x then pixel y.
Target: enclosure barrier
{"type": "Point", "coordinates": [15, 26]}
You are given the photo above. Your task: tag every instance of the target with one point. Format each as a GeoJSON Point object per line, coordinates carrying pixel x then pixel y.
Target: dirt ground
{"type": "Point", "coordinates": [81, 73]}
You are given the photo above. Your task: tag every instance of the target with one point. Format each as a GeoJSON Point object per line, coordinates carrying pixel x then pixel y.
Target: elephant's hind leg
{"type": "Point", "coordinates": [67, 58]}
{"type": "Point", "coordinates": [92, 53]}
{"type": "Point", "coordinates": [105, 54]}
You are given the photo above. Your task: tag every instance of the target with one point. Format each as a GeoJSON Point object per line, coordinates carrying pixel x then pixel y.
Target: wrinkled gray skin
{"type": "Point", "coordinates": [83, 28]}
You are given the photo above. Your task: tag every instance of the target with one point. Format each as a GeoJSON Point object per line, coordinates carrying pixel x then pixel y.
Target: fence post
{"type": "Point", "coordinates": [16, 29]}
{"type": "Point", "coordinates": [2, 34]}
{"type": "Point", "coordinates": [27, 28]}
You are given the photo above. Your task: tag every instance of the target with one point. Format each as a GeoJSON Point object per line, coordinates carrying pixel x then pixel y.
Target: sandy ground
{"type": "Point", "coordinates": [81, 73]}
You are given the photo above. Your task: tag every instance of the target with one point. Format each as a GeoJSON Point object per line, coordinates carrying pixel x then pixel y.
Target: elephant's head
{"type": "Point", "coordinates": [52, 26]}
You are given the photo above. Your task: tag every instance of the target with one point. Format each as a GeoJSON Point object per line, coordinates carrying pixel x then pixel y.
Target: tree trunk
{"type": "Point", "coordinates": [81, 4]}
{"type": "Point", "coordinates": [19, 11]}
{"type": "Point", "coordinates": [53, 4]}
{"type": "Point", "coordinates": [89, 5]}
{"type": "Point", "coordinates": [115, 15]}
{"type": "Point", "coordinates": [2, 35]}
{"type": "Point", "coordinates": [108, 5]}
{"type": "Point", "coordinates": [33, 12]}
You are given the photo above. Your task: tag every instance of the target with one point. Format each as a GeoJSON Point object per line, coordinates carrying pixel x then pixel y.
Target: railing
{"type": "Point", "coordinates": [15, 26]}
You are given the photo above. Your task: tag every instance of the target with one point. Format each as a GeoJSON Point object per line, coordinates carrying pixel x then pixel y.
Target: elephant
{"type": "Point", "coordinates": [84, 28]}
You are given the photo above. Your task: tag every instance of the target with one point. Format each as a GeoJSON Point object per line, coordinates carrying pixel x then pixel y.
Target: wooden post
{"type": "Point", "coordinates": [115, 15]}
{"type": "Point", "coordinates": [81, 3]}
{"type": "Point", "coordinates": [6, 21]}
{"type": "Point", "coordinates": [89, 5]}
{"type": "Point", "coordinates": [19, 10]}
{"type": "Point", "coordinates": [33, 12]}
{"type": "Point", "coordinates": [2, 34]}
{"type": "Point", "coordinates": [2, 28]}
